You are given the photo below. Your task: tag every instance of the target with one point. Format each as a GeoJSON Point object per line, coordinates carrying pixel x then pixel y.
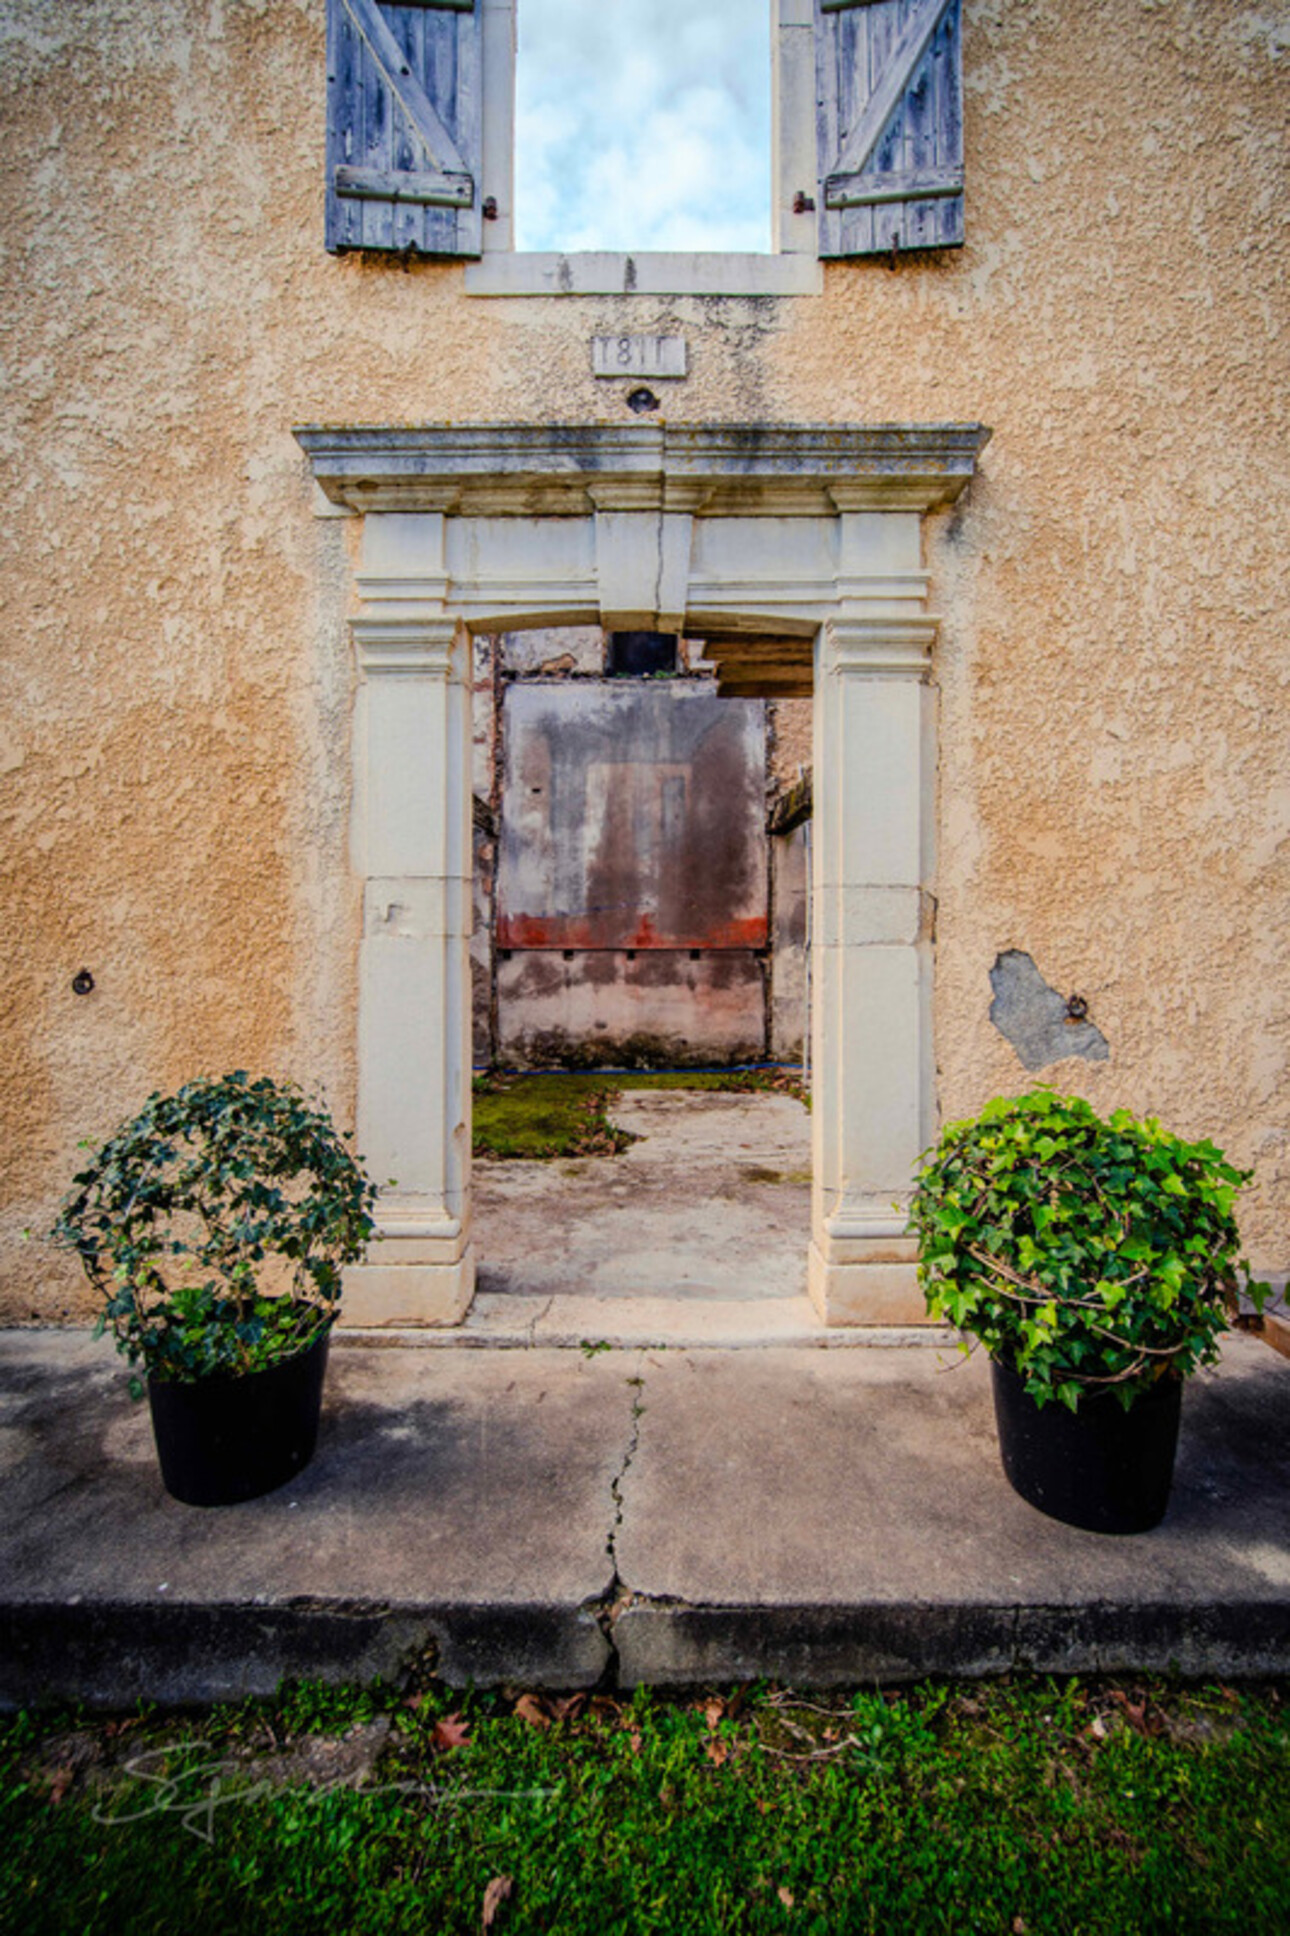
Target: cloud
{"type": "Point", "coordinates": [643, 124]}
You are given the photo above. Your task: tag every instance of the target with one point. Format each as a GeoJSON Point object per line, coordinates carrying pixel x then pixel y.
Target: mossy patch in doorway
{"type": "Point", "coordinates": [559, 1112]}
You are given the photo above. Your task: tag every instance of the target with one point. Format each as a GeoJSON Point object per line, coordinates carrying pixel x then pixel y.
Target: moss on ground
{"type": "Point", "coordinates": [558, 1112]}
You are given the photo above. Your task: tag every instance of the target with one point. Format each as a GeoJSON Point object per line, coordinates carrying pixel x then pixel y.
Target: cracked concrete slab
{"type": "Point", "coordinates": [538, 1516]}
{"type": "Point", "coordinates": [464, 1501]}
{"type": "Point", "coordinates": [846, 1516]}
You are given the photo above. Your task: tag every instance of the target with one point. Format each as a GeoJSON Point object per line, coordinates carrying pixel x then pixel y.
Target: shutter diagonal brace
{"type": "Point", "coordinates": [413, 99]}
{"type": "Point", "coordinates": [841, 190]}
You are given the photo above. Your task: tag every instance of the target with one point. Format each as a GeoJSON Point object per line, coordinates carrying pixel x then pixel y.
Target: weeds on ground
{"type": "Point", "coordinates": [559, 1112]}
{"type": "Point", "coordinates": [1021, 1807]}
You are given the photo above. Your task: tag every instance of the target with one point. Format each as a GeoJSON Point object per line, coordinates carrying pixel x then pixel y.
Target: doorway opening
{"type": "Point", "coordinates": [639, 979]}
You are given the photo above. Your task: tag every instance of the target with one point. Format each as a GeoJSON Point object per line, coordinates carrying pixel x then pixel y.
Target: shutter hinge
{"type": "Point", "coordinates": [803, 204]}
{"type": "Point", "coordinates": [489, 210]}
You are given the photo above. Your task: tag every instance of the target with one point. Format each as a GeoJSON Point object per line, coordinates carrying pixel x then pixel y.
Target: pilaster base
{"type": "Point", "coordinates": [860, 1293]}
{"type": "Point", "coordinates": [409, 1294]}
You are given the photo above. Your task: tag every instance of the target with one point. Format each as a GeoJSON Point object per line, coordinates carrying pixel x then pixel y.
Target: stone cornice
{"type": "Point", "coordinates": [707, 470]}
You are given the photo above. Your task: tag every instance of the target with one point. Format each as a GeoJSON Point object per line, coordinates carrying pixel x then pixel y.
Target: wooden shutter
{"type": "Point", "coordinates": [404, 125]}
{"type": "Point", "coordinates": [889, 120]}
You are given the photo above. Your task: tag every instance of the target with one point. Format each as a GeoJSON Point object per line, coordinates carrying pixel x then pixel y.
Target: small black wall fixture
{"type": "Point", "coordinates": [82, 982]}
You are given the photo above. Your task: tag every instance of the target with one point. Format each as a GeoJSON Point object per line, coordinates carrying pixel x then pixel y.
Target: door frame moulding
{"type": "Point", "coordinates": [807, 535]}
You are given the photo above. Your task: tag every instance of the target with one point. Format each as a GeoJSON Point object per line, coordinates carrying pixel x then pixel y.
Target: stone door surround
{"type": "Point", "coordinates": [796, 550]}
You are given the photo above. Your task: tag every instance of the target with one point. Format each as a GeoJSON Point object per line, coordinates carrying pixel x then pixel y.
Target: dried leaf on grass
{"type": "Point", "coordinates": [497, 1892]}
{"type": "Point", "coordinates": [531, 1708]}
{"type": "Point", "coordinates": [1137, 1713]}
{"type": "Point", "coordinates": [449, 1732]}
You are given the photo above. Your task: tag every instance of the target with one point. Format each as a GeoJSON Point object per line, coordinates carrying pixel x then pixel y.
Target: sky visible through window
{"type": "Point", "coordinates": [643, 124]}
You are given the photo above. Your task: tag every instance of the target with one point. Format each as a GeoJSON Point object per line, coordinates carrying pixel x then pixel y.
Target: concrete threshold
{"type": "Point", "coordinates": [570, 1518]}
{"type": "Point", "coordinates": [577, 1322]}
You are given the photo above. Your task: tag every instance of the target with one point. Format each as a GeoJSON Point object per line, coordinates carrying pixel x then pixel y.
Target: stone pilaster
{"type": "Point", "coordinates": [871, 930]}
{"type": "Point", "coordinates": [412, 829]}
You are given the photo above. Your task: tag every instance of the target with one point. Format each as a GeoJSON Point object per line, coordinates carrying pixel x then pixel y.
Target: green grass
{"type": "Point", "coordinates": [566, 1112]}
{"type": "Point", "coordinates": [1022, 1807]}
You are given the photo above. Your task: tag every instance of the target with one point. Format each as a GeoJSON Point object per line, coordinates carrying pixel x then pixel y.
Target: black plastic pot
{"type": "Point", "coordinates": [221, 1440]}
{"type": "Point", "coordinates": [1098, 1467]}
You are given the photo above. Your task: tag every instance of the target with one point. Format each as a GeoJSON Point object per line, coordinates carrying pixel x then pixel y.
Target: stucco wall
{"type": "Point", "coordinates": [176, 675]}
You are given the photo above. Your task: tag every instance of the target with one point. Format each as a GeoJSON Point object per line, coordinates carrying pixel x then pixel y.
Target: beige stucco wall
{"type": "Point", "coordinates": [176, 674]}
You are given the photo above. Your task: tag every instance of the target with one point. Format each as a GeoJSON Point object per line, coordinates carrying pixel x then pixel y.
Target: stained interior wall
{"type": "Point", "coordinates": [629, 908]}
{"type": "Point", "coordinates": [177, 680]}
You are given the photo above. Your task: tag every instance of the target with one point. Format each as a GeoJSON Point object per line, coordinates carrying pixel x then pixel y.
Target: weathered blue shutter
{"type": "Point", "coordinates": [889, 123]}
{"type": "Point", "coordinates": [404, 125]}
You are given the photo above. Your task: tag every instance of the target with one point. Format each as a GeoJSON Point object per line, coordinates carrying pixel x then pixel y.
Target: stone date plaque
{"type": "Point", "coordinates": [656, 356]}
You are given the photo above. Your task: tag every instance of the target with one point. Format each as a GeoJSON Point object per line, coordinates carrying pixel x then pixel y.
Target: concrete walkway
{"type": "Point", "coordinates": [696, 1234]}
{"type": "Point", "coordinates": [642, 1458]}
{"type": "Point", "coordinates": [544, 1516]}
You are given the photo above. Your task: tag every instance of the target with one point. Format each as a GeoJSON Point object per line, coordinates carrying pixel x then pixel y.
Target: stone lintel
{"type": "Point", "coordinates": [710, 470]}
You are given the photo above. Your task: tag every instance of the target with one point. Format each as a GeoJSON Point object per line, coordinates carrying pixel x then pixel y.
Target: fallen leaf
{"type": "Point", "coordinates": [569, 1708]}
{"type": "Point", "coordinates": [714, 1712]}
{"type": "Point", "coordinates": [530, 1709]}
{"type": "Point", "coordinates": [718, 1752]}
{"type": "Point", "coordinates": [450, 1732]}
{"type": "Point", "coordinates": [786, 1896]}
{"type": "Point", "coordinates": [634, 1740]}
{"type": "Point", "coordinates": [1097, 1728]}
{"type": "Point", "coordinates": [1018, 1926]}
{"type": "Point", "coordinates": [59, 1783]}
{"type": "Point", "coordinates": [497, 1892]}
{"type": "Point", "coordinates": [1136, 1713]}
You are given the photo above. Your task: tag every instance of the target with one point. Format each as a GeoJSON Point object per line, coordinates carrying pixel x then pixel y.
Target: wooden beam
{"type": "Point", "coordinates": [399, 185]}
{"type": "Point", "coordinates": [871, 191]}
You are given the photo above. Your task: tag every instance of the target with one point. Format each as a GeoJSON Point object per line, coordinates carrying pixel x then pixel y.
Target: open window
{"type": "Point", "coordinates": [867, 139]}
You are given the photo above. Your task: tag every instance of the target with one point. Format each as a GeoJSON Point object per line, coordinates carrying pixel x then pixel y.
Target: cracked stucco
{"type": "Point", "coordinates": [177, 681]}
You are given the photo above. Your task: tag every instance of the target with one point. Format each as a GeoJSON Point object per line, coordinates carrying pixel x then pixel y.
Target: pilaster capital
{"type": "Point", "coordinates": [423, 647]}
{"type": "Point", "coordinates": [883, 646]}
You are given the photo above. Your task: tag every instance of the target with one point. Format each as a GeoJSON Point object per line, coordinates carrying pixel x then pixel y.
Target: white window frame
{"type": "Point", "coordinates": [792, 268]}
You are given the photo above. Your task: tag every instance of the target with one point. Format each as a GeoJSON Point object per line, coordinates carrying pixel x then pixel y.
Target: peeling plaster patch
{"type": "Point", "coordinates": [1034, 1016]}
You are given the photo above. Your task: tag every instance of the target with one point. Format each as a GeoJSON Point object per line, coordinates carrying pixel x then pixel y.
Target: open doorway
{"type": "Point", "coordinates": [639, 986]}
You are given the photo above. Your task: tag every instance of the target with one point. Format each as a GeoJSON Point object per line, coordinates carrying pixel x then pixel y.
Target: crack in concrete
{"type": "Point", "coordinates": [607, 1607]}
{"type": "Point", "coordinates": [538, 1319]}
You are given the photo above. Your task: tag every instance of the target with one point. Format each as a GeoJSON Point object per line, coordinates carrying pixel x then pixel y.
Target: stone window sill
{"type": "Point", "coordinates": [504, 273]}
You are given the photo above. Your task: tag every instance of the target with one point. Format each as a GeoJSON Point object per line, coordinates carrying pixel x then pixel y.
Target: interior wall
{"type": "Point", "coordinates": [624, 874]}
